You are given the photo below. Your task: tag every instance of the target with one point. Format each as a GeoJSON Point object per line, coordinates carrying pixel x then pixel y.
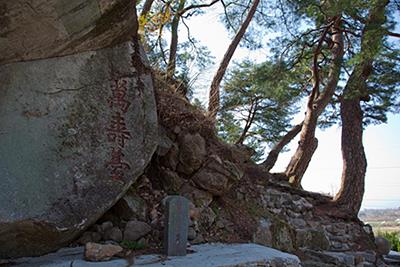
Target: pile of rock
{"type": "Point", "coordinates": [271, 213]}
{"type": "Point", "coordinates": [392, 258]}
{"type": "Point", "coordinates": [317, 239]}
{"type": "Point", "coordinates": [133, 231]}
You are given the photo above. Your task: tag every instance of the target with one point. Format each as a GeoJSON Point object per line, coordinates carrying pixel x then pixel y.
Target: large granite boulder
{"type": "Point", "coordinates": [75, 131]}
{"type": "Point", "coordinates": [47, 28]}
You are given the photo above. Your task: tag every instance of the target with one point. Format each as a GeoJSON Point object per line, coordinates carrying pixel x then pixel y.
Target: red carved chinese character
{"type": "Point", "coordinates": [117, 165]}
{"type": "Point", "coordinates": [118, 132]}
{"type": "Point", "coordinates": [117, 99]}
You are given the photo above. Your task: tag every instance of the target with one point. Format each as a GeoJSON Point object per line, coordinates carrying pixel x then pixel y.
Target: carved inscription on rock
{"type": "Point", "coordinates": [117, 131]}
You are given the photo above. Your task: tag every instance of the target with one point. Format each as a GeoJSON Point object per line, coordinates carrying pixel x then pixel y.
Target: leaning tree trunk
{"type": "Point", "coordinates": [249, 122]}
{"type": "Point", "coordinates": [272, 157]}
{"type": "Point", "coordinates": [146, 8]}
{"type": "Point", "coordinates": [173, 48]}
{"type": "Point", "coordinates": [350, 195]}
{"type": "Point", "coordinates": [316, 105]}
{"type": "Point", "coordinates": [213, 98]}
{"type": "Point", "coordinates": [354, 162]}
{"type": "Point", "coordinates": [307, 145]}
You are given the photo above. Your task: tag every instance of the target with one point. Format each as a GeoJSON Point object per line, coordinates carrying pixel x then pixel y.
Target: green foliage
{"type": "Point", "coordinates": [276, 86]}
{"type": "Point", "coordinates": [383, 88]}
{"type": "Point", "coordinates": [258, 102]}
{"type": "Point", "coordinates": [296, 44]}
{"type": "Point", "coordinates": [198, 104]}
{"type": "Point", "coordinates": [235, 13]}
{"type": "Point", "coordinates": [133, 245]}
{"type": "Point", "coordinates": [393, 237]}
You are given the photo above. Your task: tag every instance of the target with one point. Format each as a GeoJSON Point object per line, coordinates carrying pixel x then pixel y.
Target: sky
{"type": "Point", "coordinates": [381, 142]}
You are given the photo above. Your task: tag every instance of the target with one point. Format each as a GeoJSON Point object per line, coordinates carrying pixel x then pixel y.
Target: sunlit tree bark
{"type": "Point", "coordinates": [214, 94]}
{"type": "Point", "coordinates": [351, 193]}
{"type": "Point", "coordinates": [317, 102]}
{"type": "Point", "coordinates": [272, 157]}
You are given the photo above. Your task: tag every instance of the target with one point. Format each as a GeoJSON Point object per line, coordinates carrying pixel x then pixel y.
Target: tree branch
{"type": "Point", "coordinates": [249, 121]}
{"type": "Point", "coordinates": [272, 157]}
{"type": "Point", "coordinates": [393, 34]}
{"type": "Point", "coordinates": [226, 16]}
{"type": "Point", "coordinates": [315, 70]}
{"type": "Point", "coordinates": [146, 7]}
{"type": "Point", "coordinates": [186, 9]}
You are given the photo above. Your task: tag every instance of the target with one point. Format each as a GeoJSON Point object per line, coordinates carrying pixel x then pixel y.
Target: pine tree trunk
{"type": "Point", "coordinates": [174, 40]}
{"type": "Point", "coordinates": [213, 98]}
{"type": "Point", "coordinates": [350, 195]}
{"type": "Point", "coordinates": [272, 157]}
{"type": "Point", "coordinates": [307, 145]}
{"type": "Point", "coordinates": [316, 105]}
{"type": "Point", "coordinates": [146, 7]}
{"type": "Point", "coordinates": [354, 161]}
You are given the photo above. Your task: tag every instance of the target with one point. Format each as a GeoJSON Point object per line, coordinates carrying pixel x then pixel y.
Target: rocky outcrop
{"type": "Point", "coordinates": [76, 130]}
{"type": "Point", "coordinates": [134, 230]}
{"type": "Point", "coordinates": [314, 238]}
{"type": "Point", "coordinates": [233, 200]}
{"type": "Point", "coordinates": [192, 153]}
{"type": "Point", "coordinates": [217, 176]}
{"type": "Point", "coordinates": [48, 28]}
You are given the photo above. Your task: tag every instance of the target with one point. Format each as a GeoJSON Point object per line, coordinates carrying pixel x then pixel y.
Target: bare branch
{"type": "Point", "coordinates": [393, 34]}
{"type": "Point", "coordinates": [249, 121]}
{"type": "Point", "coordinates": [299, 37]}
{"type": "Point", "coordinates": [315, 70]}
{"type": "Point", "coordinates": [189, 36]}
{"type": "Point", "coordinates": [186, 9]}
{"type": "Point", "coordinates": [272, 157]}
{"type": "Point", "coordinates": [226, 16]}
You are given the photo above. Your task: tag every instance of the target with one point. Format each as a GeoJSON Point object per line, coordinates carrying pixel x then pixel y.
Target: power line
{"type": "Point", "coordinates": [389, 167]}
{"type": "Point", "coordinates": [377, 199]}
{"type": "Point", "coordinates": [374, 168]}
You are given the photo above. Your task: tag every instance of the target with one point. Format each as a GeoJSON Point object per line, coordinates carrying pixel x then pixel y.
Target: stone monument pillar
{"type": "Point", "coordinates": [176, 226]}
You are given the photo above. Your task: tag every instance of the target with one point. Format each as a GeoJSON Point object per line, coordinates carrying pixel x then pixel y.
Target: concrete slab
{"type": "Point", "coordinates": [210, 255]}
{"type": "Point", "coordinates": [205, 255]}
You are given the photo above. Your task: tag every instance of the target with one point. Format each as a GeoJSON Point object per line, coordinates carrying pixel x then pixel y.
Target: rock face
{"type": "Point", "coordinates": [192, 153]}
{"type": "Point", "coordinates": [47, 28]}
{"type": "Point", "coordinates": [134, 230]}
{"type": "Point", "coordinates": [217, 176]}
{"type": "Point", "coordinates": [76, 131]}
{"type": "Point", "coordinates": [383, 245]}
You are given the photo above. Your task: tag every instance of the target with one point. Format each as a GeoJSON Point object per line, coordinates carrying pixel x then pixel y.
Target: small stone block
{"type": "Point", "coordinates": [176, 226]}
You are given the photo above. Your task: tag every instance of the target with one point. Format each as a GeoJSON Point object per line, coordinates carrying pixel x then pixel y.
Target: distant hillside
{"type": "Point", "coordinates": [382, 219]}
